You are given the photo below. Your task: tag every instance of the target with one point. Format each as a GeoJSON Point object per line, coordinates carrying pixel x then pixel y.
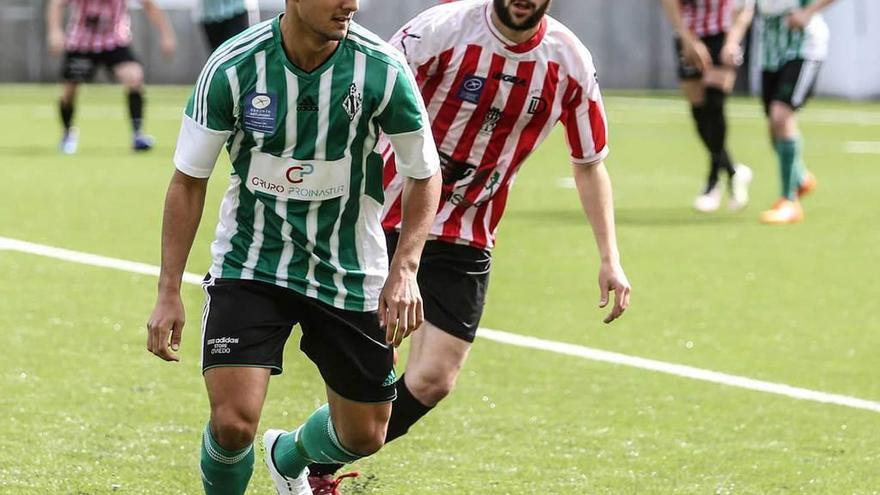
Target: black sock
{"type": "Point", "coordinates": [717, 124]}
{"type": "Point", "coordinates": [136, 109]}
{"type": "Point", "coordinates": [66, 114]}
{"type": "Point", "coordinates": [704, 129]}
{"type": "Point", "coordinates": [406, 410]}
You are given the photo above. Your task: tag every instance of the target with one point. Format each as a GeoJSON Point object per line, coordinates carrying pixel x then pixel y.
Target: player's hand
{"type": "Point", "coordinates": [400, 305]}
{"type": "Point", "coordinates": [696, 53]}
{"type": "Point", "coordinates": [612, 279]}
{"type": "Point", "coordinates": [168, 45]}
{"type": "Point", "coordinates": [732, 55]}
{"type": "Point", "coordinates": [165, 327]}
{"type": "Point", "coordinates": [798, 19]}
{"type": "Point", "coordinates": [55, 40]}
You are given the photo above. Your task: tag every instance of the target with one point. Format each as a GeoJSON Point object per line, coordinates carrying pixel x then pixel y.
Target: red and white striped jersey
{"type": "Point", "coordinates": [98, 25]}
{"type": "Point", "coordinates": [707, 17]}
{"type": "Point", "coordinates": [491, 103]}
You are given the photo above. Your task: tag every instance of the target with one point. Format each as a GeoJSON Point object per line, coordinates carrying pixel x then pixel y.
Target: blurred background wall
{"type": "Point", "coordinates": [630, 41]}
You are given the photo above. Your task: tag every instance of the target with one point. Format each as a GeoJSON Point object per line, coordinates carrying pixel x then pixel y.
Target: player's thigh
{"type": "Point", "coordinates": [720, 77]}
{"type": "Point", "coordinates": [783, 120]}
{"type": "Point", "coordinates": [360, 426]}
{"type": "Point", "coordinates": [68, 90]}
{"type": "Point", "coordinates": [237, 393]}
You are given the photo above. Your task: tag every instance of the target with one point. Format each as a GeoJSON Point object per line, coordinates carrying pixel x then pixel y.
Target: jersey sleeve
{"type": "Point", "coordinates": [208, 121]}
{"type": "Point", "coordinates": [413, 40]}
{"type": "Point", "coordinates": [583, 115]}
{"type": "Point", "coordinates": [404, 121]}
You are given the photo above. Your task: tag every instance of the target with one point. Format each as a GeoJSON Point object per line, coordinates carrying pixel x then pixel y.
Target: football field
{"type": "Point", "coordinates": [85, 409]}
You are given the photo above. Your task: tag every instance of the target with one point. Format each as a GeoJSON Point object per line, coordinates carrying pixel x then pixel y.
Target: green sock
{"type": "Point", "coordinates": [225, 472]}
{"type": "Point", "coordinates": [314, 442]}
{"type": "Point", "coordinates": [789, 152]}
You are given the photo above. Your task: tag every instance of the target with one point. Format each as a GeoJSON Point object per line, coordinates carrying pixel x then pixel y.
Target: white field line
{"type": "Point", "coordinates": [505, 337]}
{"type": "Point", "coordinates": [863, 147]}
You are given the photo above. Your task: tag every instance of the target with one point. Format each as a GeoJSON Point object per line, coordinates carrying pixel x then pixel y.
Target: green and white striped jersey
{"type": "Point", "coordinates": [305, 196]}
{"type": "Point", "coordinates": [780, 44]}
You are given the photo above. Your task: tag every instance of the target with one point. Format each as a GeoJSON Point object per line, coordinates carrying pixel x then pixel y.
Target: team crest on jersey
{"type": "Point", "coordinates": [260, 112]}
{"type": "Point", "coordinates": [471, 88]}
{"type": "Point", "coordinates": [490, 121]}
{"type": "Point", "coordinates": [352, 101]}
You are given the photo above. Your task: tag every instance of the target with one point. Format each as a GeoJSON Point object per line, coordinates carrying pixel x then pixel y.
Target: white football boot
{"type": "Point", "coordinates": [710, 200]}
{"type": "Point", "coordinates": [739, 188]}
{"type": "Point", "coordinates": [283, 484]}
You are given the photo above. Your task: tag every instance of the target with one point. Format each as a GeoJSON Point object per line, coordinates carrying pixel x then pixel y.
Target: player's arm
{"type": "Point", "coordinates": [800, 18]}
{"type": "Point", "coordinates": [694, 49]}
{"type": "Point", "coordinates": [404, 121]}
{"type": "Point", "coordinates": [157, 17]}
{"type": "Point", "coordinates": [207, 124]}
{"type": "Point", "coordinates": [586, 131]}
{"type": "Point", "coordinates": [594, 190]}
{"type": "Point", "coordinates": [54, 29]}
{"type": "Point", "coordinates": [731, 53]}
{"type": "Point", "coordinates": [184, 203]}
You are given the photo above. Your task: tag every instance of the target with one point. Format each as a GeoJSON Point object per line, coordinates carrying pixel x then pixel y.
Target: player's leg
{"type": "Point", "coordinates": [130, 73]}
{"type": "Point", "coordinates": [719, 82]}
{"type": "Point", "coordinates": [244, 328]}
{"type": "Point", "coordinates": [357, 365]}
{"type": "Point", "coordinates": [66, 106]}
{"type": "Point", "coordinates": [694, 90]}
{"type": "Point", "coordinates": [76, 69]}
{"type": "Point", "coordinates": [236, 395]}
{"type": "Point", "coordinates": [453, 280]}
{"type": "Point", "coordinates": [795, 83]}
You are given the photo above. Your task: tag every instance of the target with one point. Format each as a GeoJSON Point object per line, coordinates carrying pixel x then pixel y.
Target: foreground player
{"type": "Point", "coordinates": [494, 92]}
{"type": "Point", "coordinates": [795, 44]}
{"type": "Point", "coordinates": [99, 34]}
{"type": "Point", "coordinates": [297, 101]}
{"type": "Point", "coordinates": [708, 42]}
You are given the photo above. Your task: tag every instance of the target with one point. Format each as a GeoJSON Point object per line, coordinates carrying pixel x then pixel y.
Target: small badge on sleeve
{"type": "Point", "coordinates": [260, 112]}
{"type": "Point", "coordinates": [471, 88]}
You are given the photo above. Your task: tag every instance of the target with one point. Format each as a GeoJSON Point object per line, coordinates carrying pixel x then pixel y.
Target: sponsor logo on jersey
{"type": "Point", "coordinates": [471, 88]}
{"type": "Point", "coordinates": [297, 173]}
{"type": "Point", "coordinates": [490, 121]}
{"type": "Point", "coordinates": [516, 81]}
{"type": "Point", "coordinates": [537, 104]}
{"type": "Point", "coordinates": [260, 112]}
{"type": "Point", "coordinates": [307, 104]}
{"type": "Point", "coordinates": [352, 101]}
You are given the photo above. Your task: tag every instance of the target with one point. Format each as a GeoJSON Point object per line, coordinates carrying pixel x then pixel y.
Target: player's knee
{"type": "Point", "coordinates": [132, 76]}
{"type": "Point", "coordinates": [366, 440]}
{"type": "Point", "coordinates": [233, 431]}
{"type": "Point", "coordinates": [430, 389]}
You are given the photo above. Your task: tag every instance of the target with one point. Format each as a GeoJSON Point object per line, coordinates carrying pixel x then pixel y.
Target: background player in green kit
{"type": "Point", "coordinates": [794, 44]}
{"type": "Point", "coordinates": [223, 19]}
{"type": "Point", "coordinates": [299, 238]}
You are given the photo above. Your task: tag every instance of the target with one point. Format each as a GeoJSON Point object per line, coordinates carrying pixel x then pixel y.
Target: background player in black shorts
{"type": "Point", "coordinates": [708, 37]}
{"type": "Point", "coordinates": [99, 34]}
{"type": "Point", "coordinates": [223, 19]}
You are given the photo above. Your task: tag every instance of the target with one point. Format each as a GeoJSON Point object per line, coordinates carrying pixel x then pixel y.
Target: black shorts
{"type": "Point", "coordinates": [82, 66]}
{"type": "Point", "coordinates": [247, 322]}
{"type": "Point", "coordinates": [687, 71]}
{"type": "Point", "coordinates": [218, 32]}
{"type": "Point", "coordinates": [793, 84]}
{"type": "Point", "coordinates": [453, 280]}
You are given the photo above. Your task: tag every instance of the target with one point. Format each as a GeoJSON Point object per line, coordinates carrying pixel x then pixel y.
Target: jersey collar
{"type": "Point", "coordinates": [520, 48]}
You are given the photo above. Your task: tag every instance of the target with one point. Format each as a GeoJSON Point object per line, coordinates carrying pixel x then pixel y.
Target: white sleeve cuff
{"type": "Point", "coordinates": [415, 153]}
{"type": "Point", "coordinates": [198, 148]}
